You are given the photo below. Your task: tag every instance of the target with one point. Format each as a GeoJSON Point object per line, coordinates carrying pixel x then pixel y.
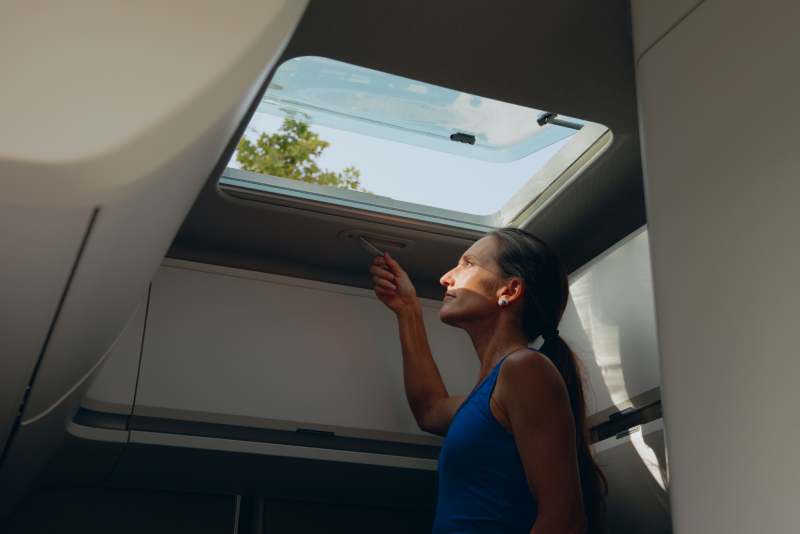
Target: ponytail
{"type": "Point", "coordinates": [594, 484]}
{"type": "Point", "coordinates": [528, 258]}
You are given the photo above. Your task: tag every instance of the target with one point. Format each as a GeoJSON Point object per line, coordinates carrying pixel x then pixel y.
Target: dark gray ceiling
{"type": "Point", "coordinates": [567, 56]}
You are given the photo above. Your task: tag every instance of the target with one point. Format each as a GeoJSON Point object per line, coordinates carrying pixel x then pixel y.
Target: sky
{"type": "Point", "coordinates": [419, 175]}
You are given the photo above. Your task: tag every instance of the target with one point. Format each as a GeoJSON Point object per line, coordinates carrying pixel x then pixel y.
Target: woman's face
{"type": "Point", "coordinates": [475, 286]}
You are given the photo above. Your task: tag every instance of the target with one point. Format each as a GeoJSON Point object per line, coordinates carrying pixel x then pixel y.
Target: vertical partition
{"type": "Point", "coordinates": [719, 110]}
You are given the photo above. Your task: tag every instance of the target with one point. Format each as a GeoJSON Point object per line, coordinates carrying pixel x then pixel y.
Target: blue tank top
{"type": "Point", "coordinates": [482, 484]}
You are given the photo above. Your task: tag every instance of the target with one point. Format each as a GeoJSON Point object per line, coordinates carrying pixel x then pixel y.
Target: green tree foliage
{"type": "Point", "coordinates": [291, 153]}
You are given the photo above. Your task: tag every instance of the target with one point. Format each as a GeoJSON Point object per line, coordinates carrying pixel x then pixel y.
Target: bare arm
{"type": "Point", "coordinates": [427, 396]}
{"type": "Point", "coordinates": [533, 396]}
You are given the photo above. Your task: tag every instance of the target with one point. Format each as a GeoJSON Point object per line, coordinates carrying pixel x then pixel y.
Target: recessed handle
{"type": "Point", "coordinates": [383, 242]}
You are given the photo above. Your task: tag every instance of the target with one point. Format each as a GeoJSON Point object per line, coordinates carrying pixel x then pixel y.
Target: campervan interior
{"type": "Point", "coordinates": [189, 339]}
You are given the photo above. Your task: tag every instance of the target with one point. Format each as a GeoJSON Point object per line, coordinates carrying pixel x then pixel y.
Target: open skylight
{"type": "Point", "coordinates": [355, 99]}
{"type": "Point", "coordinates": [415, 146]}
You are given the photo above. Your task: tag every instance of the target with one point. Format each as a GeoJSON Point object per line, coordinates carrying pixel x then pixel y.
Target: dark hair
{"type": "Point", "coordinates": [546, 290]}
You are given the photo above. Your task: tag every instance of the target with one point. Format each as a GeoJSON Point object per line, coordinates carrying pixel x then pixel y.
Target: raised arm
{"type": "Point", "coordinates": [427, 396]}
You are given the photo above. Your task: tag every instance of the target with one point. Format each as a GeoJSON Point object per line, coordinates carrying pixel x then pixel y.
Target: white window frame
{"type": "Point", "coordinates": [572, 157]}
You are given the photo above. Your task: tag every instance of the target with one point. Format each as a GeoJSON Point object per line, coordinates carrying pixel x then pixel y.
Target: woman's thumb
{"type": "Point", "coordinates": [393, 265]}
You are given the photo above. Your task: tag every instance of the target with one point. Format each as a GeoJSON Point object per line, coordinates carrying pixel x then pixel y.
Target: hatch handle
{"type": "Point", "coordinates": [550, 118]}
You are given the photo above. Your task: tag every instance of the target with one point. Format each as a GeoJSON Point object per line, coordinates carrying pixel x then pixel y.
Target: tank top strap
{"type": "Point", "coordinates": [483, 392]}
{"type": "Point", "coordinates": [491, 380]}
{"type": "Point", "coordinates": [486, 387]}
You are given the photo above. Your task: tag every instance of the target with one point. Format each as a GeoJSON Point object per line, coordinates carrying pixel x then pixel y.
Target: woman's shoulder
{"type": "Point", "coordinates": [529, 360]}
{"type": "Point", "coordinates": [530, 370]}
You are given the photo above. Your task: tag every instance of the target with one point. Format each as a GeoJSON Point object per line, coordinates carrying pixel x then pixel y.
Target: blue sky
{"type": "Point", "coordinates": [419, 175]}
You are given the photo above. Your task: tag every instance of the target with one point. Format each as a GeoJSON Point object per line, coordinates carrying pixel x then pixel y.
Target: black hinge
{"type": "Point", "coordinates": [463, 138]}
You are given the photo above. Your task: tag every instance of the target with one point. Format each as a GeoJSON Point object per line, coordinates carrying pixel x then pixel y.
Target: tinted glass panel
{"type": "Point", "coordinates": [330, 93]}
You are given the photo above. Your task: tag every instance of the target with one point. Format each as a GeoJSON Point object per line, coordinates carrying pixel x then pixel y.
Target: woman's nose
{"type": "Point", "coordinates": [447, 279]}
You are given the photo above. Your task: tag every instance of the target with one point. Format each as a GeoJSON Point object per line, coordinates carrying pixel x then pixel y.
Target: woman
{"type": "Point", "coordinates": [516, 457]}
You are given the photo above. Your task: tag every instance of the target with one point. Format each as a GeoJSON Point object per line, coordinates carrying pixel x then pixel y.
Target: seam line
{"type": "Point", "coordinates": [141, 353]}
{"type": "Point", "coordinates": [646, 50]}
{"type": "Point", "coordinates": [75, 264]}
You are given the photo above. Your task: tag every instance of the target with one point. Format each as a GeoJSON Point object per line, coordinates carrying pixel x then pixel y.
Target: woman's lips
{"type": "Point", "coordinates": [449, 295]}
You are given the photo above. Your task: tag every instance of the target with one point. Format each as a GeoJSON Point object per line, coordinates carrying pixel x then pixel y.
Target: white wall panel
{"type": "Point", "coordinates": [114, 388]}
{"type": "Point", "coordinates": [719, 114]}
{"type": "Point", "coordinates": [610, 323]}
{"type": "Point", "coordinates": [285, 353]}
{"type": "Point", "coordinates": [238, 347]}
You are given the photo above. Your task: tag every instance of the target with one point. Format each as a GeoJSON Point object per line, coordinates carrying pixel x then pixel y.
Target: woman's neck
{"type": "Point", "coordinates": [494, 341]}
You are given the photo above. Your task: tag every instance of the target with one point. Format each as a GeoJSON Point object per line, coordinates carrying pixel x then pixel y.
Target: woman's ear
{"type": "Point", "coordinates": [511, 291]}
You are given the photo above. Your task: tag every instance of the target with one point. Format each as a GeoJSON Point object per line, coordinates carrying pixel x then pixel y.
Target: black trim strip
{"type": "Point", "coordinates": [283, 437]}
{"type": "Point", "coordinates": [302, 438]}
{"type": "Point", "coordinates": [94, 419]}
{"type": "Point", "coordinates": [623, 422]}
{"type": "Point", "coordinates": [110, 421]}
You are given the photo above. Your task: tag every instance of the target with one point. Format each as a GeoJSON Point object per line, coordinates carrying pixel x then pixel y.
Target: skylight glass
{"type": "Point", "coordinates": [388, 140]}
{"type": "Point", "coordinates": [347, 97]}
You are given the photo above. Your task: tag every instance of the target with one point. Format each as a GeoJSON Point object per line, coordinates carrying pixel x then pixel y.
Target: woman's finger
{"type": "Point", "coordinates": [383, 292]}
{"type": "Point", "coordinates": [380, 262]}
{"type": "Point", "coordinates": [385, 284]}
{"type": "Point", "coordinates": [383, 273]}
{"type": "Point", "coordinates": [393, 265]}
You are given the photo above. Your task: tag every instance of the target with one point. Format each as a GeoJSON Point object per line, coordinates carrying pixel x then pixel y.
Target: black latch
{"type": "Point", "coordinates": [463, 138]}
{"type": "Point", "coordinates": [626, 411]}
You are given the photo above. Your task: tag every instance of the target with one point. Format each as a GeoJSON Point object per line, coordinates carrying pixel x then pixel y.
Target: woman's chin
{"type": "Point", "coordinates": [447, 315]}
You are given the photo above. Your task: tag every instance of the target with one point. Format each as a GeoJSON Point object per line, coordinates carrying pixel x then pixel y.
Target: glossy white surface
{"type": "Point", "coordinates": [285, 353]}
{"type": "Point", "coordinates": [97, 96]}
{"type": "Point", "coordinates": [127, 241]}
{"type": "Point", "coordinates": [723, 220]}
{"type": "Point", "coordinates": [611, 322]}
{"type": "Point", "coordinates": [114, 387]}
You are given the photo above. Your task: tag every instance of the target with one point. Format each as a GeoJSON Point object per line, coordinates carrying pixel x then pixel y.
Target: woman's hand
{"type": "Point", "coordinates": [392, 286]}
{"type": "Point", "coordinates": [427, 397]}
